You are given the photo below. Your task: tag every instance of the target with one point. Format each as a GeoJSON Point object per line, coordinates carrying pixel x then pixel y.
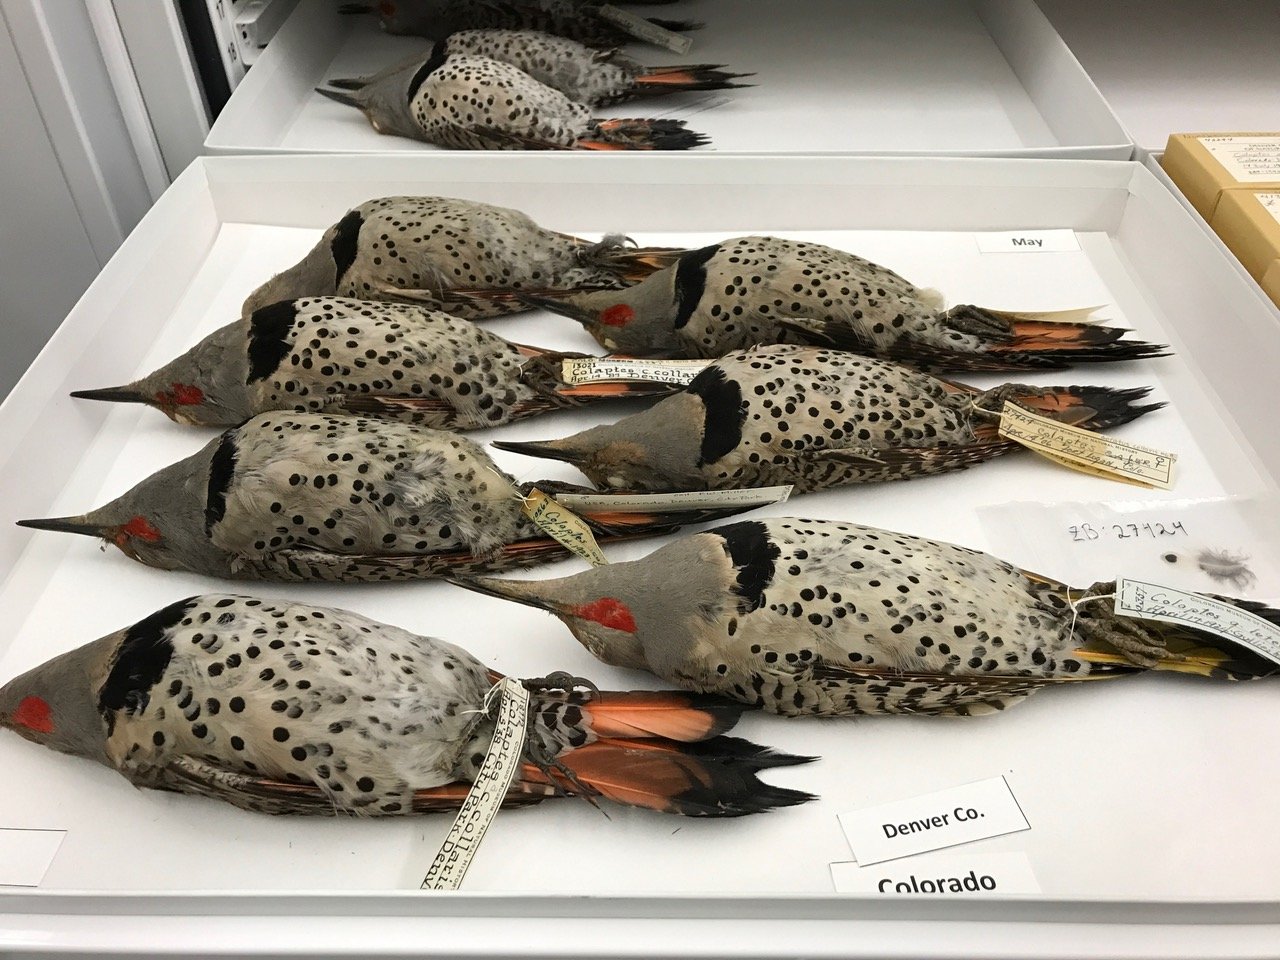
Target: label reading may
{"type": "Point", "coordinates": [1136, 598]}
{"type": "Point", "coordinates": [563, 526]}
{"type": "Point", "coordinates": [941, 875]}
{"type": "Point", "coordinates": [904, 828]}
{"type": "Point", "coordinates": [1270, 203]}
{"type": "Point", "coordinates": [1087, 451]}
{"type": "Point", "coordinates": [643, 29]}
{"type": "Point", "coordinates": [1247, 159]}
{"type": "Point", "coordinates": [506, 750]}
{"type": "Point", "coordinates": [582, 370]}
{"type": "Point", "coordinates": [1028, 241]}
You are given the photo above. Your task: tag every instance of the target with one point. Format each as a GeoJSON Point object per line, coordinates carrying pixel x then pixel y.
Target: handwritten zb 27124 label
{"type": "Point", "coordinates": [579, 370]}
{"type": "Point", "coordinates": [1091, 533]}
{"type": "Point", "coordinates": [647, 30]}
{"type": "Point", "coordinates": [1151, 601]}
{"type": "Point", "coordinates": [1086, 451]}
{"type": "Point", "coordinates": [506, 751]}
{"type": "Point", "coordinates": [564, 526]}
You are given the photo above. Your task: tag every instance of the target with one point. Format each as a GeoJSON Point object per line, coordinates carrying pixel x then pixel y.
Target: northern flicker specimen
{"type": "Point", "coordinates": [596, 78]}
{"type": "Point", "coordinates": [282, 707]}
{"type": "Point", "coordinates": [322, 497]}
{"type": "Point", "coordinates": [764, 290]}
{"type": "Point", "coordinates": [437, 19]}
{"type": "Point", "coordinates": [817, 617]}
{"type": "Point", "coordinates": [470, 102]}
{"type": "Point", "coordinates": [431, 250]}
{"type": "Point", "coordinates": [816, 418]}
{"type": "Point", "coordinates": [356, 356]}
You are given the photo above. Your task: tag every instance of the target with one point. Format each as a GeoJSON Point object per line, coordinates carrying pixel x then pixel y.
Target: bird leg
{"type": "Point", "coordinates": [1129, 638]}
{"type": "Point", "coordinates": [561, 680]}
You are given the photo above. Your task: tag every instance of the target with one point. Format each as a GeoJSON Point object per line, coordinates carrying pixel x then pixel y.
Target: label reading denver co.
{"type": "Point", "coordinates": [562, 525]}
{"type": "Point", "coordinates": [941, 875]}
{"type": "Point", "coordinates": [485, 797]}
{"type": "Point", "coordinates": [1086, 451]}
{"type": "Point", "coordinates": [1270, 203]}
{"type": "Point", "coordinates": [1028, 241]}
{"type": "Point", "coordinates": [675, 502]}
{"type": "Point", "coordinates": [646, 30]}
{"type": "Point", "coordinates": [1247, 159]}
{"type": "Point", "coordinates": [1136, 598]}
{"type": "Point", "coordinates": [580, 370]}
{"type": "Point", "coordinates": [904, 828]}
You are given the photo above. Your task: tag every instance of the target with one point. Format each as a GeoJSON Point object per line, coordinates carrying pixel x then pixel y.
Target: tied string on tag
{"type": "Point", "coordinates": [1086, 597]}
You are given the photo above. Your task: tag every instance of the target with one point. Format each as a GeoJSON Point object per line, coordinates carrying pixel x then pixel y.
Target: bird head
{"type": "Point", "coordinates": [386, 98]}
{"type": "Point", "coordinates": [54, 704]}
{"type": "Point", "coordinates": [205, 387]}
{"type": "Point", "coordinates": [161, 522]}
{"type": "Point", "coordinates": [655, 450]}
{"type": "Point", "coordinates": [638, 321]}
{"type": "Point", "coordinates": [645, 614]}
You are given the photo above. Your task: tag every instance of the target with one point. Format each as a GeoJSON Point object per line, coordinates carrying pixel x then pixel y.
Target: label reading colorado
{"type": "Point", "coordinates": [904, 828]}
{"type": "Point", "coordinates": [1135, 598]}
{"type": "Point", "coordinates": [1247, 159]}
{"type": "Point", "coordinates": [941, 875]}
{"type": "Point", "coordinates": [1028, 241]}
{"type": "Point", "coordinates": [563, 525]}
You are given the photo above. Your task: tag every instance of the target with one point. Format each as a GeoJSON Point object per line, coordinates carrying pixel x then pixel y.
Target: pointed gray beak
{"type": "Point", "coordinates": [65, 525]}
{"type": "Point", "coordinates": [521, 591]}
{"type": "Point", "coordinates": [113, 395]}
{"type": "Point", "coordinates": [545, 449]}
{"type": "Point", "coordinates": [558, 305]}
{"type": "Point", "coordinates": [345, 99]}
{"type": "Point", "coordinates": [347, 83]}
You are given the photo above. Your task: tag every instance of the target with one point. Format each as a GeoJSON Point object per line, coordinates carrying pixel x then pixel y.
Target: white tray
{"type": "Point", "coordinates": [956, 77]}
{"type": "Point", "coordinates": [1150, 799]}
{"type": "Point", "coordinates": [1178, 66]}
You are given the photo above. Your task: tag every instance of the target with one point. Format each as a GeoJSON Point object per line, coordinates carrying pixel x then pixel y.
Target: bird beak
{"type": "Point", "coordinates": [545, 449]}
{"type": "Point", "coordinates": [113, 395]}
{"type": "Point", "coordinates": [344, 98]}
{"type": "Point", "coordinates": [80, 525]}
{"type": "Point", "coordinates": [348, 83]}
{"type": "Point", "coordinates": [527, 592]}
{"type": "Point", "coordinates": [561, 304]}
{"type": "Point", "coordinates": [355, 9]}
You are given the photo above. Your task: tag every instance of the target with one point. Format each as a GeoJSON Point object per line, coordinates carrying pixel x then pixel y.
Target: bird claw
{"type": "Point", "coordinates": [562, 680]}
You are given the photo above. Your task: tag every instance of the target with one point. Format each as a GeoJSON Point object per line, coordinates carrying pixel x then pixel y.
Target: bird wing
{"type": "Point", "coordinates": [818, 469]}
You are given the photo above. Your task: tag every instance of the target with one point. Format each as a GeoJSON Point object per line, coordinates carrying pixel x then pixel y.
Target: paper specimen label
{"type": "Point", "coordinates": [1028, 241]}
{"type": "Point", "coordinates": [564, 526]}
{"type": "Point", "coordinates": [1270, 203]}
{"type": "Point", "coordinates": [975, 811]}
{"type": "Point", "coordinates": [486, 795]}
{"type": "Point", "coordinates": [580, 370]}
{"type": "Point", "coordinates": [26, 855]}
{"type": "Point", "coordinates": [1136, 598]}
{"type": "Point", "coordinates": [1085, 450]}
{"type": "Point", "coordinates": [941, 875]}
{"type": "Point", "coordinates": [643, 29]}
{"type": "Point", "coordinates": [1247, 159]}
{"type": "Point", "coordinates": [670, 502]}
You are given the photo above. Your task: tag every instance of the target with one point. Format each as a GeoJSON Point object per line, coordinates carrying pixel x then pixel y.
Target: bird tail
{"type": "Point", "coordinates": [641, 134]}
{"type": "Point", "coordinates": [1091, 408]}
{"type": "Point", "coordinates": [698, 76]}
{"type": "Point", "coordinates": [1179, 647]}
{"type": "Point", "coordinates": [1047, 341]}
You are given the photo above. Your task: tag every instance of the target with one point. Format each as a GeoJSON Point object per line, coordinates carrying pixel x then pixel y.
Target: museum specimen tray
{"type": "Point", "coordinates": [1151, 800]}
{"type": "Point", "coordinates": [959, 77]}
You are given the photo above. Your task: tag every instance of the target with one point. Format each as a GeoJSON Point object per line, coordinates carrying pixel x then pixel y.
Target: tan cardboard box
{"type": "Point", "coordinates": [1271, 282]}
{"type": "Point", "coordinates": [1205, 164]}
{"type": "Point", "coordinates": [1248, 221]}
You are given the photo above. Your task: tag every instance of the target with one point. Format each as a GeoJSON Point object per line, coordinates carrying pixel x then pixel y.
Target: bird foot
{"type": "Point", "coordinates": [561, 680]}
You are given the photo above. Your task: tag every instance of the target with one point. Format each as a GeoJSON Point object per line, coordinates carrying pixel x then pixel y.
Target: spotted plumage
{"type": "Point", "coordinates": [817, 617]}
{"type": "Point", "coordinates": [338, 355]}
{"type": "Point", "coordinates": [466, 101]}
{"type": "Point", "coordinates": [437, 19]}
{"type": "Point", "coordinates": [296, 496]}
{"type": "Point", "coordinates": [766, 290]}
{"type": "Point", "coordinates": [816, 418]}
{"type": "Point", "coordinates": [432, 250]}
{"type": "Point", "coordinates": [290, 708]}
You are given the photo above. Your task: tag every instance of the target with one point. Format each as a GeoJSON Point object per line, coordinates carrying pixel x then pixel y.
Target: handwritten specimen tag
{"type": "Point", "coordinates": [486, 795]}
{"type": "Point", "coordinates": [1136, 598]}
{"type": "Point", "coordinates": [580, 370]}
{"type": "Point", "coordinates": [564, 526]}
{"type": "Point", "coordinates": [646, 30]}
{"type": "Point", "coordinates": [1086, 451]}
{"type": "Point", "coordinates": [675, 502]}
